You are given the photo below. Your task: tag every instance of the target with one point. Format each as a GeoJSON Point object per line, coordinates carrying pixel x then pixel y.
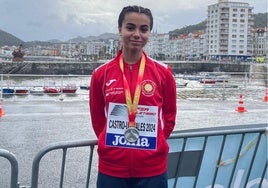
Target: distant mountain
{"type": "Point", "coordinates": [188, 29]}
{"type": "Point", "coordinates": [76, 40]}
{"type": "Point", "coordinates": [40, 43]}
{"type": "Point", "coordinates": [104, 36]}
{"type": "Point", "coordinates": [8, 39]}
{"type": "Point", "coordinates": [54, 41]}
{"type": "Point", "coordinates": [260, 20]}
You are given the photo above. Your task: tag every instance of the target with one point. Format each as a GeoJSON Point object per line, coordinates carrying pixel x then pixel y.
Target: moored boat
{"type": "Point", "coordinates": [192, 77]}
{"type": "Point", "coordinates": [51, 90]}
{"type": "Point", "coordinates": [70, 88]}
{"type": "Point", "coordinates": [207, 81]}
{"type": "Point", "coordinates": [221, 80]}
{"type": "Point", "coordinates": [84, 87]}
{"type": "Point", "coordinates": [37, 90]}
{"type": "Point", "coordinates": [21, 91]}
{"type": "Point", "coordinates": [8, 91]}
{"type": "Point", "coordinates": [181, 85]}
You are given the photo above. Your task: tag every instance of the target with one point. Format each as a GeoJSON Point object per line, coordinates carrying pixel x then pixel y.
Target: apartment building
{"type": "Point", "coordinates": [229, 26]}
{"type": "Point", "coordinates": [228, 36]}
{"type": "Point", "coordinates": [260, 43]}
{"type": "Point", "coordinates": [158, 45]}
{"type": "Point", "coordinates": [190, 46]}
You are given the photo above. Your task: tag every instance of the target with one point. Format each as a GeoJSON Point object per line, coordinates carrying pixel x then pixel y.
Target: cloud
{"type": "Point", "coordinates": [65, 19]}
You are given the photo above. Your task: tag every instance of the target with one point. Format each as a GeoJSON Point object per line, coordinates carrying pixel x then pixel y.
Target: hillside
{"type": "Point", "coordinates": [260, 20]}
{"type": "Point", "coordinates": [188, 29]}
{"type": "Point", "coordinates": [8, 39]}
{"type": "Point", "coordinates": [103, 36]}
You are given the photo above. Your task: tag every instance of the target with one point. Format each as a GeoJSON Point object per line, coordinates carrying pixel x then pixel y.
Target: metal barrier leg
{"type": "Point", "coordinates": [14, 167]}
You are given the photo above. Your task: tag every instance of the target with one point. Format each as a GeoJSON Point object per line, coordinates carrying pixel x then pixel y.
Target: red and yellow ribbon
{"type": "Point", "coordinates": [133, 105]}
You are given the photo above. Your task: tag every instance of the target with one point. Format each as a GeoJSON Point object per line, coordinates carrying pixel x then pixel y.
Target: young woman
{"type": "Point", "coordinates": [133, 109]}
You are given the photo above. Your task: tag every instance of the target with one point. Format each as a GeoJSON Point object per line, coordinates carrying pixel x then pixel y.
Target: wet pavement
{"type": "Point", "coordinates": [29, 125]}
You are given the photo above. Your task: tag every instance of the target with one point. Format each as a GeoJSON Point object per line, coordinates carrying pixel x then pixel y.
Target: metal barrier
{"type": "Point", "coordinates": [233, 156]}
{"type": "Point", "coordinates": [64, 146]}
{"type": "Point", "coordinates": [14, 167]}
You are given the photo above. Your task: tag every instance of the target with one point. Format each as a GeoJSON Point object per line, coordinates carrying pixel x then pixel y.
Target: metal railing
{"type": "Point", "coordinates": [238, 158]}
{"type": "Point", "coordinates": [64, 146]}
{"type": "Point", "coordinates": [233, 156]}
{"type": "Point", "coordinates": [14, 172]}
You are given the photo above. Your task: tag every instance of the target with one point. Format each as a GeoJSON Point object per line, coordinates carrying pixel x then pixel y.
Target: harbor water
{"type": "Point", "coordinates": [32, 122]}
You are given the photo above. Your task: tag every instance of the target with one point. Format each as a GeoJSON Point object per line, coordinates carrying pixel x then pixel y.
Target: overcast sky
{"type": "Point", "coordinates": [65, 19]}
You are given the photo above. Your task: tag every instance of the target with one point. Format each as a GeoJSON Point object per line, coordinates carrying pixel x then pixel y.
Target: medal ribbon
{"type": "Point", "coordinates": [133, 106]}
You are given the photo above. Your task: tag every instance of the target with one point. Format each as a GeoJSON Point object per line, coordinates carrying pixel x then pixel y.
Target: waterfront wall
{"type": "Point", "coordinates": [191, 67]}
{"type": "Point", "coordinates": [86, 68]}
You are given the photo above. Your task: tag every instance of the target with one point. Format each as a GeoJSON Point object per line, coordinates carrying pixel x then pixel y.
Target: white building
{"type": "Point", "coordinates": [158, 45]}
{"type": "Point", "coordinates": [260, 42]}
{"type": "Point", "coordinates": [228, 30]}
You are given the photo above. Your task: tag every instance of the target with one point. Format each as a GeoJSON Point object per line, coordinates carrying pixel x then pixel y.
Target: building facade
{"type": "Point", "coordinates": [229, 26]}
{"type": "Point", "coordinates": [260, 44]}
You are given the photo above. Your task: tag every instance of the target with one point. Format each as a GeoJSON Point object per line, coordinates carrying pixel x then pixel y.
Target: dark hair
{"type": "Point", "coordinates": [137, 9]}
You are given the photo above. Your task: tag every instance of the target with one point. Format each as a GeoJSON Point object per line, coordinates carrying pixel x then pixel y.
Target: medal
{"type": "Point", "coordinates": [132, 134]}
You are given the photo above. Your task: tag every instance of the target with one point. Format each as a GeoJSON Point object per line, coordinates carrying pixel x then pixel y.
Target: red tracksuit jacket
{"type": "Point", "coordinates": [155, 118]}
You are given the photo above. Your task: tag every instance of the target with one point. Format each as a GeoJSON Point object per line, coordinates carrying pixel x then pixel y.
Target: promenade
{"type": "Point", "coordinates": [86, 68]}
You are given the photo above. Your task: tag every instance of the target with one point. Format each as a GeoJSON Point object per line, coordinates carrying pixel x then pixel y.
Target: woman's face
{"type": "Point", "coordinates": [135, 31]}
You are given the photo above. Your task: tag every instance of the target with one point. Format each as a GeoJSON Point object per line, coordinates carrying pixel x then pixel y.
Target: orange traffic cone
{"type": "Point", "coordinates": [241, 107]}
{"type": "Point", "coordinates": [265, 98]}
{"type": "Point", "coordinates": [1, 110]}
